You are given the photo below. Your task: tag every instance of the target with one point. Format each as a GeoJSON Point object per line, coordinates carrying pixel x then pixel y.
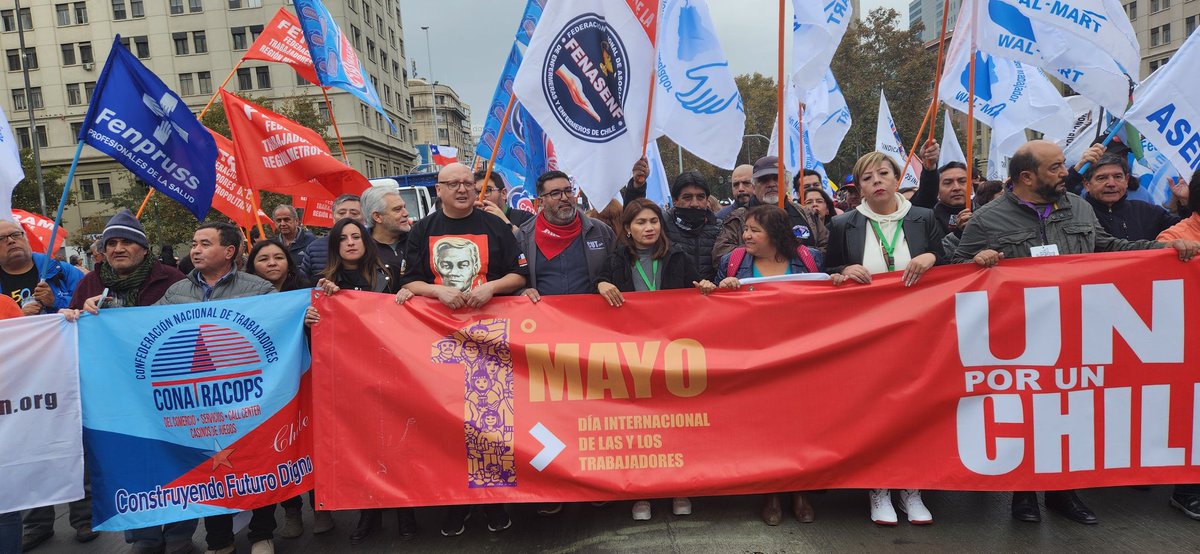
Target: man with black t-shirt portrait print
{"type": "Point", "coordinates": [461, 255]}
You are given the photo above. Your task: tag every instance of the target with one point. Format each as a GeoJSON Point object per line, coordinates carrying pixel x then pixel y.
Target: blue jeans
{"type": "Point", "coordinates": [170, 534]}
{"type": "Point", "coordinates": [10, 533]}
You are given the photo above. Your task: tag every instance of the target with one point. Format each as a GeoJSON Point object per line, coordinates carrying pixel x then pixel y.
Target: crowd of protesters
{"type": "Point", "coordinates": [475, 248]}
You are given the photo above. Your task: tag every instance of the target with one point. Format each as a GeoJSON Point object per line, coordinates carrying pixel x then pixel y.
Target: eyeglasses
{"type": "Point", "coordinates": [457, 185]}
{"type": "Point", "coordinates": [13, 236]}
{"type": "Point", "coordinates": [558, 194]}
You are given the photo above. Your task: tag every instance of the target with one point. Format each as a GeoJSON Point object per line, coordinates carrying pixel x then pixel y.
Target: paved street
{"type": "Point", "coordinates": [1130, 521]}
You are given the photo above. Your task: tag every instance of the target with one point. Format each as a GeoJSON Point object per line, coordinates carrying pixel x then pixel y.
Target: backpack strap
{"type": "Point", "coordinates": [810, 264]}
{"type": "Point", "coordinates": [735, 260]}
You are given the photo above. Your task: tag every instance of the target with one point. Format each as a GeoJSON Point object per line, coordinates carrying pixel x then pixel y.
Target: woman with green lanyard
{"type": "Point", "coordinates": [646, 261]}
{"type": "Point", "coordinates": [885, 233]}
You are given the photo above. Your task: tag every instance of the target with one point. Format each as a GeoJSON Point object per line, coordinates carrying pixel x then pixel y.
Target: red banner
{"type": "Point", "coordinates": [280, 155]}
{"type": "Point", "coordinates": [231, 198]}
{"type": "Point", "coordinates": [1039, 374]}
{"type": "Point", "coordinates": [282, 41]}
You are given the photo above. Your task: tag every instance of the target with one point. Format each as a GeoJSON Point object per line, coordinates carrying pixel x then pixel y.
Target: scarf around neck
{"type": "Point", "coordinates": [125, 289]}
{"type": "Point", "coordinates": [553, 239]}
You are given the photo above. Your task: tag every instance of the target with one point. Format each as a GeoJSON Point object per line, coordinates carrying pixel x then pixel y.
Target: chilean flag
{"type": "Point", "coordinates": [443, 155]}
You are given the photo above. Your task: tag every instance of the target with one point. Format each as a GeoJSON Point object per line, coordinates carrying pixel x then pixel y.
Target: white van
{"type": "Point", "coordinates": [417, 199]}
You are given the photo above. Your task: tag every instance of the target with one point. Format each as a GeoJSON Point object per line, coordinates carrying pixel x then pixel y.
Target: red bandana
{"type": "Point", "coordinates": [552, 239]}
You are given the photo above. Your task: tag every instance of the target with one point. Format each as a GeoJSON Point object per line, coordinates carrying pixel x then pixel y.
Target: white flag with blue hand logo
{"type": "Point", "coordinates": [887, 140]}
{"type": "Point", "coordinates": [1009, 96]}
{"type": "Point", "coordinates": [817, 30]}
{"type": "Point", "coordinates": [697, 102]}
{"type": "Point", "coordinates": [826, 122]}
{"type": "Point", "coordinates": [951, 150]}
{"type": "Point", "coordinates": [1088, 44]}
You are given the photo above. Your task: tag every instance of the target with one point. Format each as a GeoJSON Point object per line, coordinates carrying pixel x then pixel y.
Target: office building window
{"type": "Point", "coordinates": [68, 54]}
{"type": "Point", "coordinates": [74, 94]}
{"type": "Point", "coordinates": [199, 42]}
{"type": "Point", "coordinates": [105, 188]}
{"type": "Point", "coordinates": [1132, 9]}
{"type": "Point", "coordinates": [181, 43]}
{"type": "Point", "coordinates": [23, 136]}
{"type": "Point", "coordinates": [140, 46]}
{"type": "Point", "coordinates": [88, 88]}
{"type": "Point", "coordinates": [323, 111]}
{"type": "Point", "coordinates": [204, 79]}
{"type": "Point", "coordinates": [75, 127]}
{"type": "Point", "coordinates": [245, 79]}
{"type": "Point", "coordinates": [136, 8]}
{"type": "Point", "coordinates": [356, 37]}
{"type": "Point", "coordinates": [187, 84]}
{"type": "Point", "coordinates": [1189, 25]}
{"type": "Point", "coordinates": [87, 189]}
{"type": "Point", "coordinates": [195, 6]}
{"type": "Point", "coordinates": [10, 20]}
{"type": "Point", "coordinates": [370, 169]}
{"type": "Point", "coordinates": [14, 58]}
{"type": "Point", "coordinates": [237, 4]}
{"type": "Point", "coordinates": [85, 53]}
{"type": "Point", "coordinates": [62, 14]}
{"type": "Point", "coordinates": [175, 7]}
{"type": "Point", "coordinates": [239, 38]}
{"type": "Point", "coordinates": [264, 77]}
{"type": "Point", "coordinates": [81, 15]}
{"type": "Point", "coordinates": [370, 50]}
{"type": "Point", "coordinates": [118, 8]}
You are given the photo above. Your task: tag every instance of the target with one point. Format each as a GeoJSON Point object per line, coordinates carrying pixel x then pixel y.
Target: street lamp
{"type": "Point", "coordinates": [432, 84]}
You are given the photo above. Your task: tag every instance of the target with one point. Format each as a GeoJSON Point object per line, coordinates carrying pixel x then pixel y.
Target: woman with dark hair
{"type": "Point", "coordinates": [885, 233]}
{"type": "Point", "coordinates": [820, 202]}
{"type": "Point", "coordinates": [354, 262]}
{"type": "Point", "coordinates": [272, 261]}
{"type": "Point", "coordinates": [1188, 229]}
{"type": "Point", "coordinates": [770, 248]}
{"type": "Point", "coordinates": [645, 261]}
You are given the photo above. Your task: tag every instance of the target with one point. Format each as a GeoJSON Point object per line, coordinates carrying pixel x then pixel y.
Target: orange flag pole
{"type": "Point", "coordinates": [333, 120]}
{"type": "Point", "coordinates": [912, 151]}
{"type": "Point", "coordinates": [144, 202]}
{"type": "Point", "coordinates": [487, 176]}
{"type": "Point", "coordinates": [779, 102]}
{"type": "Point", "coordinates": [650, 96]}
{"type": "Point", "coordinates": [937, 77]}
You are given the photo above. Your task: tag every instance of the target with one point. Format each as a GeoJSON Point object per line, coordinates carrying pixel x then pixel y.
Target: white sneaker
{"type": "Point", "coordinates": [641, 510]}
{"type": "Point", "coordinates": [263, 547]}
{"type": "Point", "coordinates": [910, 503]}
{"type": "Point", "coordinates": [681, 507]}
{"type": "Point", "coordinates": [882, 511]}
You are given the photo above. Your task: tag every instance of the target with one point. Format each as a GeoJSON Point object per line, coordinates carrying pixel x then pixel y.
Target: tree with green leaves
{"type": "Point", "coordinates": [26, 196]}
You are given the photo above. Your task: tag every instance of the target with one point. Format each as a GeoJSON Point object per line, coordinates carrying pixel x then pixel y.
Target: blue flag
{"type": "Point", "coordinates": [529, 21]}
{"type": "Point", "coordinates": [138, 121]}
{"type": "Point", "coordinates": [333, 56]}
{"type": "Point", "coordinates": [195, 410]}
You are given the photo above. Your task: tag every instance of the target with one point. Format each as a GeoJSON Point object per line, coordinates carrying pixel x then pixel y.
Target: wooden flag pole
{"type": "Point", "coordinates": [779, 112]}
{"type": "Point", "coordinates": [487, 176]}
{"type": "Point", "coordinates": [332, 120]}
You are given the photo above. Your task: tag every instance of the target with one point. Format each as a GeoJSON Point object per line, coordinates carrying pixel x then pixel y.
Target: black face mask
{"type": "Point", "coordinates": [692, 217]}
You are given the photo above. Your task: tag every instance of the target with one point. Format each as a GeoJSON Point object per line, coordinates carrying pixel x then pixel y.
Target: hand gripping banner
{"type": "Point", "coordinates": [1035, 375]}
{"type": "Point", "coordinates": [196, 409]}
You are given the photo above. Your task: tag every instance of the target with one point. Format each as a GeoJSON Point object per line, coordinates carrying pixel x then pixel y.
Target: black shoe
{"type": "Point", "coordinates": [30, 542]}
{"type": "Point", "coordinates": [407, 520]}
{"type": "Point", "coordinates": [497, 517]}
{"type": "Point", "coordinates": [368, 521]}
{"type": "Point", "coordinates": [85, 534]}
{"type": "Point", "coordinates": [1069, 505]}
{"type": "Point", "coordinates": [1188, 504]}
{"type": "Point", "coordinates": [456, 521]}
{"type": "Point", "coordinates": [1025, 507]}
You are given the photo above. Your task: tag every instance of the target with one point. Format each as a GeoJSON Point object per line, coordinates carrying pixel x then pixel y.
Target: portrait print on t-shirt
{"type": "Point", "coordinates": [459, 261]}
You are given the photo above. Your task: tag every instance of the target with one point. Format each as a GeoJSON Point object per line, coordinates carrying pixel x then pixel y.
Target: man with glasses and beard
{"type": "Point", "coordinates": [1038, 217]}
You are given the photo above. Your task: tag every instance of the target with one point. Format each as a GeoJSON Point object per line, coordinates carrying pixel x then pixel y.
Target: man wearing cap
{"type": "Point", "coordinates": [690, 223]}
{"type": "Point", "coordinates": [742, 182]}
{"type": "Point", "coordinates": [133, 278]}
{"type": "Point", "coordinates": [807, 226]}
{"type": "Point", "coordinates": [848, 196]}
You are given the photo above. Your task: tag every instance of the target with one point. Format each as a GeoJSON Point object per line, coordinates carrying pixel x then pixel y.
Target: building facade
{"type": "Point", "coordinates": [453, 127]}
{"type": "Point", "coordinates": [1161, 27]}
{"type": "Point", "coordinates": [929, 13]}
{"type": "Point", "coordinates": [192, 45]}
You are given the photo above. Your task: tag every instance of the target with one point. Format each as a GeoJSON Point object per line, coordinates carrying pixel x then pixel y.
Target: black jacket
{"type": "Point", "coordinates": [1132, 219]}
{"type": "Point", "coordinates": [848, 236]}
{"type": "Point", "coordinates": [697, 243]}
{"type": "Point", "coordinates": [679, 271]}
{"type": "Point", "coordinates": [927, 197]}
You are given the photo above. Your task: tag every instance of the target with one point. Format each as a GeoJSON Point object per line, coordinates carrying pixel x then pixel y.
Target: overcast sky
{"type": "Point", "coordinates": [469, 39]}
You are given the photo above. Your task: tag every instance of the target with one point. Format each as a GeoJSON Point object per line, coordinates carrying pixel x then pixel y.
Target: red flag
{"type": "Point", "coordinates": [282, 41]}
{"type": "Point", "coordinates": [231, 198]}
{"type": "Point", "coordinates": [280, 155]}
{"type": "Point", "coordinates": [318, 211]}
{"type": "Point", "coordinates": [38, 229]}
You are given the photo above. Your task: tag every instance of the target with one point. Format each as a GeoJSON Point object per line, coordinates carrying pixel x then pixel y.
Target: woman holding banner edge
{"type": "Point", "coordinates": [646, 261]}
{"type": "Point", "coordinates": [885, 233]}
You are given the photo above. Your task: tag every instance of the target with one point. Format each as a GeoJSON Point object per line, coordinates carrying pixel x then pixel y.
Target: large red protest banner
{"type": "Point", "coordinates": [1034, 375]}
